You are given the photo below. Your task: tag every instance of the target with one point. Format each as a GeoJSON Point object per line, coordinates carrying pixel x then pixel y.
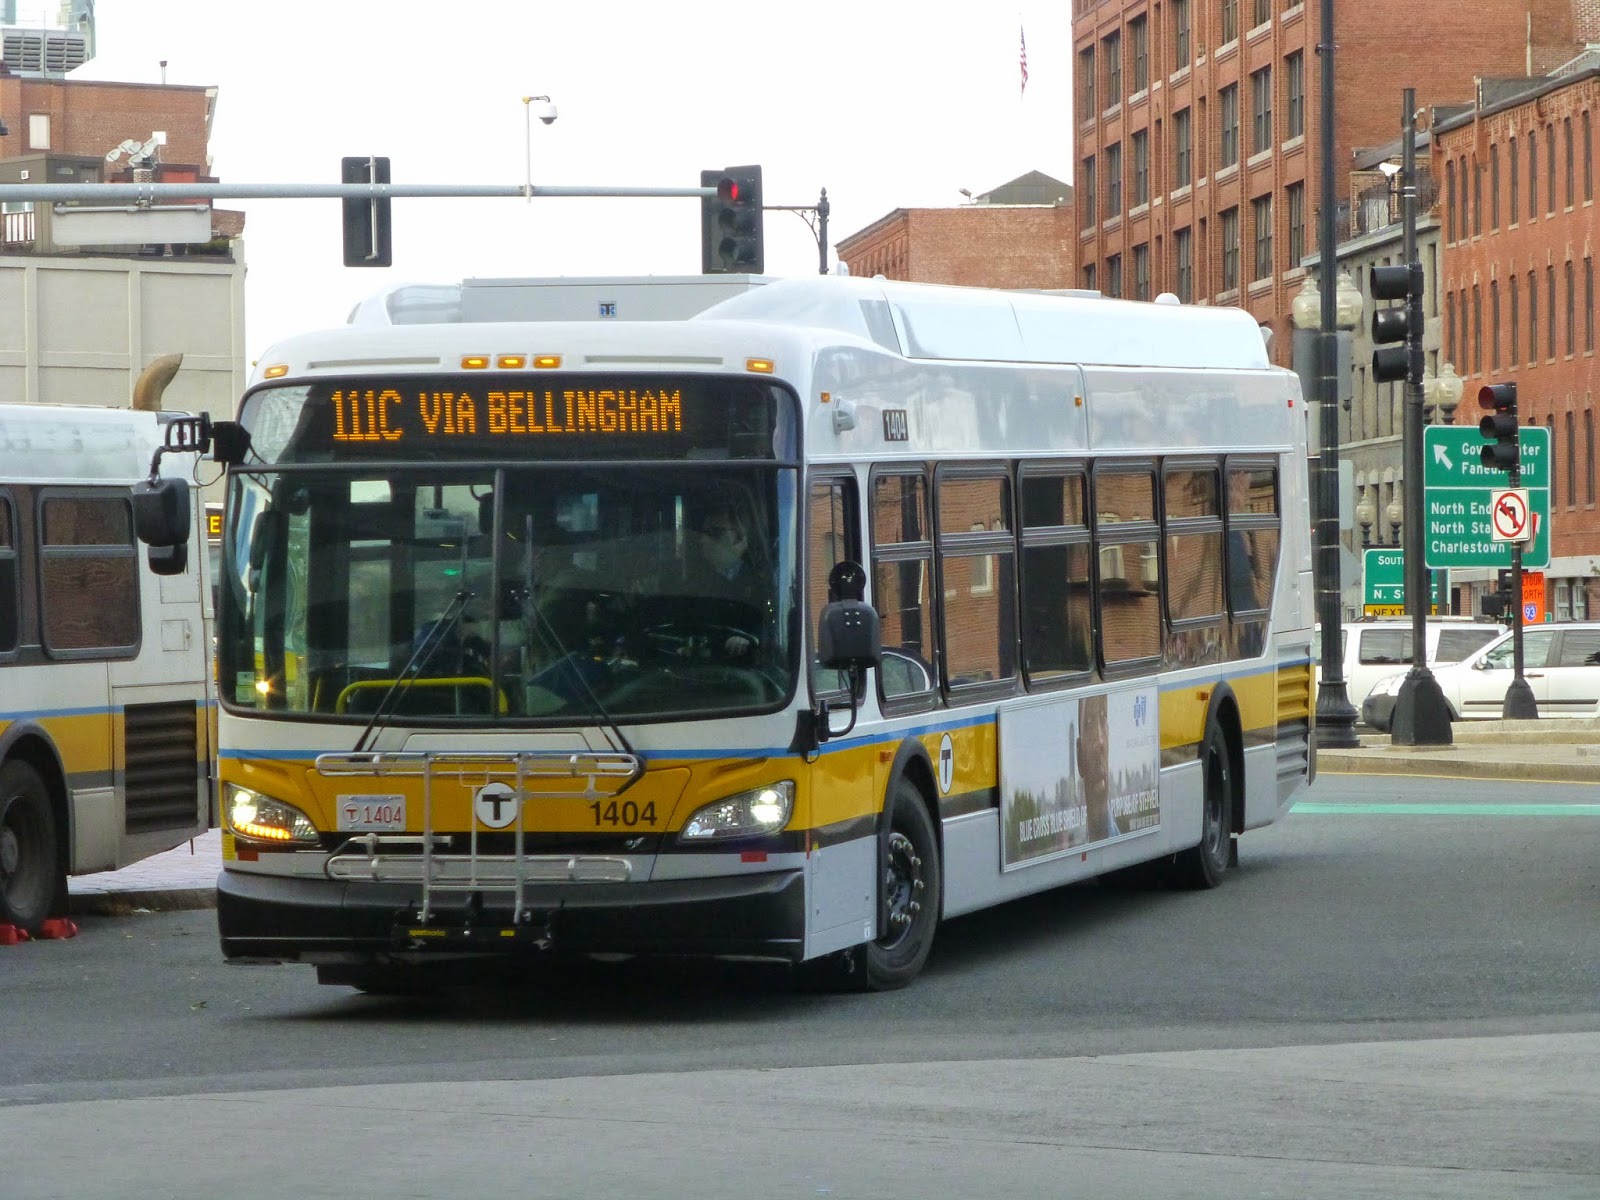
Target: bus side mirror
{"type": "Point", "coordinates": [230, 442]}
{"type": "Point", "coordinates": [848, 637]}
{"type": "Point", "coordinates": [168, 560]}
{"type": "Point", "coordinates": [161, 512]}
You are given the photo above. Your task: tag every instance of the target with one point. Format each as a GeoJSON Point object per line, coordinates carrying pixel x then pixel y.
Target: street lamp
{"type": "Point", "coordinates": [1366, 514]}
{"type": "Point", "coordinates": [1396, 514]}
{"type": "Point", "coordinates": [1323, 318]}
{"type": "Point", "coordinates": [1442, 393]}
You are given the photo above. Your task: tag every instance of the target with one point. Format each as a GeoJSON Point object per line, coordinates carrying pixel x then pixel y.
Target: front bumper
{"type": "Point", "coordinates": [271, 918]}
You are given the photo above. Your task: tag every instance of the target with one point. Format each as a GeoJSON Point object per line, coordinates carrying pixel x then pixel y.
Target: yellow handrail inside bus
{"type": "Point", "coordinates": [457, 682]}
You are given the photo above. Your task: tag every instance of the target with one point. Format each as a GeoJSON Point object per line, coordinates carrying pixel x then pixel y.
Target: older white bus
{"type": "Point", "coordinates": [782, 632]}
{"type": "Point", "coordinates": [104, 680]}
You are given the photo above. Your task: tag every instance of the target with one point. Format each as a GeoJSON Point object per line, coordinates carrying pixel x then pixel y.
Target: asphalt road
{"type": "Point", "coordinates": [1376, 1003]}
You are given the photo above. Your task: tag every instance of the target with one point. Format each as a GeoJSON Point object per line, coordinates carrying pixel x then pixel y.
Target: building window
{"type": "Point", "coordinates": [1113, 56]}
{"type": "Point", "coordinates": [1260, 12]}
{"type": "Point", "coordinates": [1533, 174]}
{"type": "Point", "coordinates": [1261, 110]}
{"type": "Point", "coordinates": [1494, 325]}
{"type": "Point", "coordinates": [1141, 167]}
{"type": "Point", "coordinates": [1230, 125]}
{"type": "Point", "coordinates": [1182, 134]}
{"type": "Point", "coordinates": [1185, 253]}
{"type": "Point", "coordinates": [1550, 325]}
{"type": "Point", "coordinates": [1511, 175]}
{"type": "Point", "coordinates": [1572, 314]}
{"type": "Point", "coordinates": [1515, 296]}
{"type": "Point", "coordinates": [1113, 180]}
{"type": "Point", "coordinates": [1588, 305]}
{"type": "Point", "coordinates": [1477, 198]}
{"type": "Point", "coordinates": [1450, 326]}
{"type": "Point", "coordinates": [1533, 315]}
{"type": "Point", "coordinates": [1180, 34]}
{"type": "Point", "coordinates": [1588, 160]}
{"type": "Point", "coordinates": [1230, 250]}
{"type": "Point", "coordinates": [1261, 211]}
{"type": "Point", "coordinates": [38, 131]}
{"type": "Point", "coordinates": [1138, 30]}
{"type": "Point", "coordinates": [1477, 331]}
{"type": "Point", "coordinates": [1555, 475]}
{"type": "Point", "coordinates": [1295, 73]}
{"type": "Point", "coordinates": [1588, 456]}
{"type": "Point", "coordinates": [1297, 223]}
{"type": "Point", "coordinates": [1114, 276]}
{"type": "Point", "coordinates": [1494, 187]}
{"type": "Point", "coordinates": [1086, 194]}
{"type": "Point", "coordinates": [1230, 21]}
{"type": "Point", "coordinates": [1086, 82]}
{"type": "Point", "coordinates": [1141, 272]}
{"type": "Point", "coordinates": [1450, 201]}
{"type": "Point", "coordinates": [1550, 169]}
{"type": "Point", "coordinates": [1572, 459]}
{"type": "Point", "coordinates": [1089, 281]}
{"type": "Point", "coordinates": [1566, 138]}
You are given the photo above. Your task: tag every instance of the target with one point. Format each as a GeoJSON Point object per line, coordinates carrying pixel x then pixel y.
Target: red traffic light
{"type": "Point", "coordinates": [728, 191]}
{"type": "Point", "coordinates": [1498, 397]}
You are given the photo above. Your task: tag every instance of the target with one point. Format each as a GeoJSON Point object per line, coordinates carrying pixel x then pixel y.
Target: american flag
{"type": "Point", "coordinates": [1024, 59]}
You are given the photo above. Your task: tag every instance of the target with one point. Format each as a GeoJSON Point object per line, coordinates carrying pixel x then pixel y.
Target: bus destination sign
{"type": "Point", "coordinates": [424, 414]}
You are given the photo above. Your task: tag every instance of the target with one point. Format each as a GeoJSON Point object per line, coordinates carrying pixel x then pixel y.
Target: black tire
{"type": "Point", "coordinates": [1203, 866]}
{"type": "Point", "coordinates": [32, 882]}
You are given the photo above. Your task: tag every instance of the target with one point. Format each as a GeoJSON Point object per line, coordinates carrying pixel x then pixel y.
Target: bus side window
{"type": "Point", "coordinates": [832, 537]}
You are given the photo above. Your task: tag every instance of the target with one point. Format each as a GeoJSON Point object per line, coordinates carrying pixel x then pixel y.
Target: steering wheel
{"type": "Point", "coordinates": [701, 641]}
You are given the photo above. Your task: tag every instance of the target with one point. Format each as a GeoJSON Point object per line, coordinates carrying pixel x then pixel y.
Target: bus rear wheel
{"type": "Point", "coordinates": [31, 881]}
{"type": "Point", "coordinates": [1203, 866]}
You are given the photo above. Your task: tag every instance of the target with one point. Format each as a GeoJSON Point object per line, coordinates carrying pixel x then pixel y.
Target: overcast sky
{"type": "Point", "coordinates": [886, 103]}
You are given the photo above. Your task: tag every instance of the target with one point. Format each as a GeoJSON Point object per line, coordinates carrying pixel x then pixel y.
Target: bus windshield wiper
{"type": "Point", "coordinates": [566, 657]}
{"type": "Point", "coordinates": [442, 628]}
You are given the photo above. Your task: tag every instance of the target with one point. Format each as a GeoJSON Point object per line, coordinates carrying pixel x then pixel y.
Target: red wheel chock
{"type": "Point", "coordinates": [57, 927]}
{"type": "Point", "coordinates": [11, 935]}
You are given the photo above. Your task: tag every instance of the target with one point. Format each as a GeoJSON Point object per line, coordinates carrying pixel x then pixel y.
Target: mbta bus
{"type": "Point", "coordinates": [104, 679]}
{"type": "Point", "coordinates": [784, 632]}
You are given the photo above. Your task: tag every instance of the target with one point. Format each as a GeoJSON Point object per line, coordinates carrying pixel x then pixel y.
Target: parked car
{"type": "Point", "coordinates": [1374, 649]}
{"type": "Point", "coordinates": [1560, 662]}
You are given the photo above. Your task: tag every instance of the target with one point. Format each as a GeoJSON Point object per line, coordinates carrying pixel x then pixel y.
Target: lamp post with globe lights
{"type": "Point", "coordinates": [1323, 318]}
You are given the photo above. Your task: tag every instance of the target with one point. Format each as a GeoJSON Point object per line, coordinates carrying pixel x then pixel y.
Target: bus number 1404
{"type": "Point", "coordinates": [624, 815]}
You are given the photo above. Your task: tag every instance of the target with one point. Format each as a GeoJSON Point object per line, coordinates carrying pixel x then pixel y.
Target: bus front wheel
{"type": "Point", "coordinates": [30, 877]}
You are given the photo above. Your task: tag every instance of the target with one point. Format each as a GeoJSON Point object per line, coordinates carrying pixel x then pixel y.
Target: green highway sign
{"type": "Point", "coordinates": [1457, 491]}
{"type": "Point", "coordinates": [1383, 572]}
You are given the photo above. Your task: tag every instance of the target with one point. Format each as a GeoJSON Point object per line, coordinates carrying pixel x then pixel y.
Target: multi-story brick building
{"type": "Point", "coordinates": [1517, 271]}
{"type": "Point", "coordinates": [1197, 127]}
{"type": "Point", "coordinates": [1020, 235]}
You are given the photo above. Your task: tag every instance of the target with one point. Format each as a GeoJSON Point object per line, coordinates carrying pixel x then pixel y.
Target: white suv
{"type": "Point", "coordinates": [1374, 649]}
{"type": "Point", "coordinates": [1560, 662]}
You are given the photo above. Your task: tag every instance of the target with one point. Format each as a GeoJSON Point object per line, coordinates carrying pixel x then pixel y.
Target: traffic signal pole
{"type": "Point", "coordinates": [1519, 704]}
{"type": "Point", "coordinates": [1421, 716]}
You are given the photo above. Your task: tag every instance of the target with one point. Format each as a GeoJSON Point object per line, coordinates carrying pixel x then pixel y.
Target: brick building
{"type": "Point", "coordinates": [1517, 272]}
{"type": "Point", "coordinates": [1197, 130]}
{"type": "Point", "coordinates": [1020, 235]}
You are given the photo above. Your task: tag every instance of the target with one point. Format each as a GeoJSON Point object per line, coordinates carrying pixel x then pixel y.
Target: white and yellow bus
{"type": "Point", "coordinates": [104, 679]}
{"type": "Point", "coordinates": [1026, 599]}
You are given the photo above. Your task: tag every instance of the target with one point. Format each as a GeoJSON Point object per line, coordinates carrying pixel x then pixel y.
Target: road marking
{"type": "Point", "coordinates": [1451, 810]}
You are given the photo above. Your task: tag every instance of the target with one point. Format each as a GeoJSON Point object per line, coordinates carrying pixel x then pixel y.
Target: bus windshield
{"type": "Point", "coordinates": [548, 592]}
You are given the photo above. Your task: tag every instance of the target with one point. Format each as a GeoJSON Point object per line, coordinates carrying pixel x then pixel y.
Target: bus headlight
{"type": "Point", "coordinates": [760, 810]}
{"type": "Point", "coordinates": [252, 815]}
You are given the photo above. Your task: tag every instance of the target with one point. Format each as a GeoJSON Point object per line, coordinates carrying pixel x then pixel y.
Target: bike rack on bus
{"type": "Point", "coordinates": [602, 775]}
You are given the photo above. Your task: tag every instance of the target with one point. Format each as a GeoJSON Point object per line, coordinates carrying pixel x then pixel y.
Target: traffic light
{"type": "Point", "coordinates": [366, 221]}
{"type": "Point", "coordinates": [1391, 361]}
{"type": "Point", "coordinates": [1498, 603]}
{"type": "Point", "coordinates": [1500, 401]}
{"type": "Point", "coordinates": [730, 222]}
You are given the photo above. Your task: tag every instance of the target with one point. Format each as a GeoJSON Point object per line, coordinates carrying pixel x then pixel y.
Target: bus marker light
{"type": "Point", "coordinates": [511, 362]}
{"type": "Point", "coordinates": [474, 362]}
{"type": "Point", "coordinates": [547, 362]}
{"type": "Point", "coordinates": [826, 396]}
{"type": "Point", "coordinates": [761, 365]}
{"type": "Point", "coordinates": [753, 856]}
{"type": "Point", "coordinates": [276, 371]}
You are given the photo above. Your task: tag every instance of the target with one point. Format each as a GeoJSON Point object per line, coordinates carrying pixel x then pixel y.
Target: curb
{"type": "Point", "coordinates": [1444, 761]}
{"type": "Point", "coordinates": [122, 904]}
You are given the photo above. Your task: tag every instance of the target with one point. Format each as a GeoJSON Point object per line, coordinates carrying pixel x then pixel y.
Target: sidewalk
{"type": "Point", "coordinates": [183, 878]}
{"type": "Point", "coordinates": [1552, 750]}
